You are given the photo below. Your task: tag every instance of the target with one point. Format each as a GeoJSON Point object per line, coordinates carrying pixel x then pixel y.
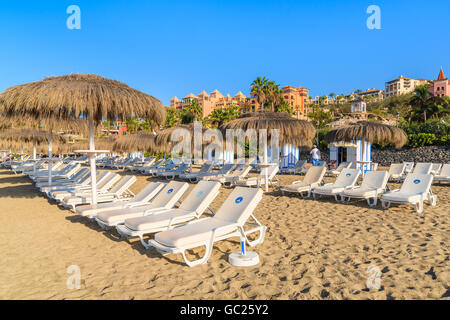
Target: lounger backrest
{"type": "Point", "coordinates": [107, 183]}
{"type": "Point", "coordinates": [101, 179]}
{"type": "Point", "coordinates": [239, 205]}
{"type": "Point", "coordinates": [375, 180]}
{"type": "Point", "coordinates": [123, 185]}
{"type": "Point", "coordinates": [397, 168]}
{"type": "Point", "coordinates": [347, 177]}
{"type": "Point", "coordinates": [315, 174]}
{"type": "Point", "coordinates": [271, 171]}
{"type": "Point", "coordinates": [170, 194]}
{"type": "Point", "coordinates": [445, 171]}
{"type": "Point", "coordinates": [409, 166]}
{"type": "Point", "coordinates": [423, 168]}
{"type": "Point", "coordinates": [206, 167]}
{"type": "Point", "coordinates": [149, 192]}
{"type": "Point", "coordinates": [201, 196]}
{"type": "Point", "coordinates": [74, 169]}
{"type": "Point", "coordinates": [300, 164]}
{"type": "Point", "coordinates": [435, 167]}
{"type": "Point", "coordinates": [226, 168]}
{"type": "Point", "coordinates": [80, 174]}
{"type": "Point", "coordinates": [416, 183]}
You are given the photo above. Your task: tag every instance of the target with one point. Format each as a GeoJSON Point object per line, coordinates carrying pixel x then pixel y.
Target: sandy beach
{"type": "Point", "coordinates": [312, 250]}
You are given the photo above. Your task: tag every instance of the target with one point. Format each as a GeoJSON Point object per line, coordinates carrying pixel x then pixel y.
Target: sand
{"type": "Point", "coordinates": [313, 250]}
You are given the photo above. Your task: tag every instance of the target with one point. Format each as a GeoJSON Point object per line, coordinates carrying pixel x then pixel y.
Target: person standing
{"type": "Point", "coordinates": [315, 153]}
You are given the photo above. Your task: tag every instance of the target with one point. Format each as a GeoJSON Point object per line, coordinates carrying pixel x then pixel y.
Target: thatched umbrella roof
{"type": "Point", "coordinates": [141, 141]}
{"type": "Point", "coordinates": [79, 95]}
{"type": "Point", "coordinates": [373, 132]}
{"type": "Point", "coordinates": [29, 135]}
{"type": "Point", "coordinates": [163, 142]}
{"type": "Point", "coordinates": [299, 133]}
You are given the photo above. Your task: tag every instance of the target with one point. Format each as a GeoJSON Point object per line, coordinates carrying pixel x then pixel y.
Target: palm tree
{"type": "Point", "coordinates": [195, 109]}
{"type": "Point", "coordinates": [273, 93]}
{"type": "Point", "coordinates": [423, 101]}
{"type": "Point", "coordinates": [258, 90]}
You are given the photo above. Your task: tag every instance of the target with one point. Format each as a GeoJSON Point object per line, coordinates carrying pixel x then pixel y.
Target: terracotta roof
{"type": "Point", "coordinates": [240, 95]}
{"type": "Point", "coordinates": [190, 95]}
{"type": "Point", "coordinates": [203, 94]}
{"type": "Point", "coordinates": [441, 75]}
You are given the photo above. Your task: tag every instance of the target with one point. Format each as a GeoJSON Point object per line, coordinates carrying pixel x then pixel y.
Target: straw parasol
{"type": "Point", "coordinates": [77, 96]}
{"type": "Point", "coordinates": [163, 139]}
{"type": "Point", "coordinates": [141, 141]}
{"type": "Point", "coordinates": [373, 132]}
{"type": "Point", "coordinates": [299, 133]}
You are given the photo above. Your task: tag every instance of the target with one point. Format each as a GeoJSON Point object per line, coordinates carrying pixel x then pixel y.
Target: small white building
{"type": "Point", "coordinates": [359, 106]}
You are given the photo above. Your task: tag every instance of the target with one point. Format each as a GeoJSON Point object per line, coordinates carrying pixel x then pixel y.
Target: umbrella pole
{"type": "Point", "coordinates": [34, 149]}
{"type": "Point", "coordinates": [92, 160]}
{"type": "Point", "coordinates": [50, 155]}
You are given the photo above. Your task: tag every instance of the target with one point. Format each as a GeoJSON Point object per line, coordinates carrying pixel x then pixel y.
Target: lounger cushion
{"type": "Point", "coordinates": [117, 216]}
{"type": "Point", "coordinates": [91, 209]}
{"type": "Point", "coordinates": [401, 197]}
{"type": "Point", "coordinates": [159, 220]}
{"type": "Point", "coordinates": [297, 187]}
{"type": "Point", "coordinates": [361, 192]}
{"type": "Point", "coordinates": [328, 190]}
{"type": "Point", "coordinates": [194, 233]}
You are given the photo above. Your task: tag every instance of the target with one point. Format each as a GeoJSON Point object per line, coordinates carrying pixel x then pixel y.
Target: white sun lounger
{"type": "Point", "coordinates": [415, 190]}
{"type": "Point", "coordinates": [444, 175]}
{"type": "Point", "coordinates": [169, 196]}
{"type": "Point", "coordinates": [60, 194]}
{"type": "Point", "coordinates": [345, 180]}
{"type": "Point", "coordinates": [172, 174]}
{"type": "Point", "coordinates": [142, 198]}
{"type": "Point", "coordinates": [423, 168]}
{"type": "Point", "coordinates": [119, 191]}
{"type": "Point", "coordinates": [225, 170]}
{"type": "Point", "coordinates": [74, 178]}
{"type": "Point", "coordinates": [374, 184]}
{"type": "Point", "coordinates": [80, 181]}
{"type": "Point", "coordinates": [228, 222]}
{"type": "Point", "coordinates": [195, 204]}
{"type": "Point", "coordinates": [338, 170]}
{"type": "Point", "coordinates": [239, 172]}
{"type": "Point", "coordinates": [65, 173]}
{"type": "Point", "coordinates": [397, 171]}
{"type": "Point", "coordinates": [313, 178]}
{"type": "Point", "coordinates": [194, 176]}
{"type": "Point", "coordinates": [435, 168]}
{"type": "Point", "coordinates": [102, 187]}
{"type": "Point", "coordinates": [260, 180]}
{"type": "Point", "coordinates": [298, 167]}
{"type": "Point", "coordinates": [409, 167]}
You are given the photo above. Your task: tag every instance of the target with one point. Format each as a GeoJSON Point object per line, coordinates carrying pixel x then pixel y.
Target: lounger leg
{"type": "Point", "coordinates": [374, 203]}
{"type": "Point", "coordinates": [201, 260]}
{"type": "Point", "coordinates": [385, 204]}
{"type": "Point", "coordinates": [419, 207]}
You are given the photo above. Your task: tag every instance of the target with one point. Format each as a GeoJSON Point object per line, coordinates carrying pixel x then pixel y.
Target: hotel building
{"type": "Point", "coordinates": [297, 98]}
{"type": "Point", "coordinates": [441, 86]}
{"type": "Point", "coordinates": [402, 85]}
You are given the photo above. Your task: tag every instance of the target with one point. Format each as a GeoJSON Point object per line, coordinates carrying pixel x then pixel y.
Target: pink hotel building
{"type": "Point", "coordinates": [296, 97]}
{"type": "Point", "coordinates": [441, 87]}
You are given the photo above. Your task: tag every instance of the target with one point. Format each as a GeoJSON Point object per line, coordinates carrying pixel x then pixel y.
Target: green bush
{"type": "Point", "coordinates": [421, 139]}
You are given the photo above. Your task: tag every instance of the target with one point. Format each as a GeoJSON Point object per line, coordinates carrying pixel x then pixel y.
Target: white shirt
{"type": "Point", "coordinates": [315, 153]}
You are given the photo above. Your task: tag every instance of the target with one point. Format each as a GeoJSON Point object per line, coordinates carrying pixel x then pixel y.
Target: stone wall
{"type": "Point", "coordinates": [384, 157]}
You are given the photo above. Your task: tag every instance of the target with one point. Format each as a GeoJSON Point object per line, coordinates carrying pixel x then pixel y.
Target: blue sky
{"type": "Point", "coordinates": [168, 48]}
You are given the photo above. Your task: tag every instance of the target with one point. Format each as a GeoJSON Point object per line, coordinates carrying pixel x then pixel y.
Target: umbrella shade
{"type": "Point", "coordinates": [142, 141]}
{"type": "Point", "coordinates": [373, 132]}
{"type": "Point", "coordinates": [299, 133]}
{"type": "Point", "coordinates": [79, 95]}
{"type": "Point", "coordinates": [76, 96]}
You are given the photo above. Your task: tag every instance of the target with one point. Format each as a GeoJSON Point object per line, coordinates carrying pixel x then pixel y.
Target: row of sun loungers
{"type": "Point", "coordinates": [179, 225]}
{"type": "Point", "coordinates": [415, 189]}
